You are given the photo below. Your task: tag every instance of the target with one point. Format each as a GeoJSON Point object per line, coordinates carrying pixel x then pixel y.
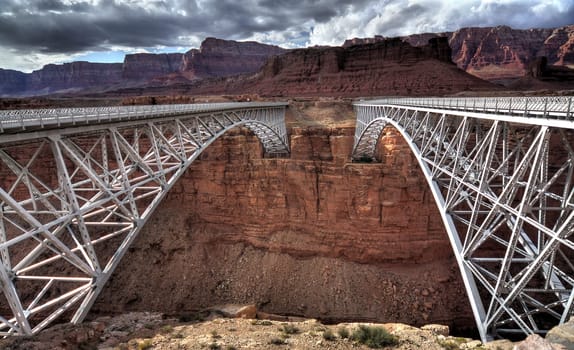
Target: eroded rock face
{"type": "Point", "coordinates": [146, 66]}
{"type": "Point", "coordinates": [54, 77]}
{"type": "Point", "coordinates": [215, 58]}
{"type": "Point", "coordinates": [389, 67]}
{"type": "Point", "coordinates": [502, 53]}
{"type": "Point", "coordinates": [11, 82]}
{"type": "Point", "coordinates": [559, 46]}
{"type": "Point", "coordinates": [219, 58]}
{"type": "Point", "coordinates": [496, 53]}
{"type": "Point", "coordinates": [312, 235]}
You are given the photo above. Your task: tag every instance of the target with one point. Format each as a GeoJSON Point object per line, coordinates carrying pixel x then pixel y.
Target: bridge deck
{"type": "Point", "coordinates": [33, 119]}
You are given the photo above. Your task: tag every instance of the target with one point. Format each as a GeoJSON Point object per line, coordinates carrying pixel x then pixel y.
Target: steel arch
{"type": "Point", "coordinates": [503, 184]}
{"type": "Point", "coordinates": [75, 194]}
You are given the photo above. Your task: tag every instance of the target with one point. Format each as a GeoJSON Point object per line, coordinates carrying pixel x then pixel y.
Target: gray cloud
{"type": "Point", "coordinates": [67, 27]}
{"type": "Point", "coordinates": [55, 26]}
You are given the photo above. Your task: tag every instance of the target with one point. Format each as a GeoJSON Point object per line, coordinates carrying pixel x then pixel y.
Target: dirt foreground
{"type": "Point", "coordinates": [145, 330]}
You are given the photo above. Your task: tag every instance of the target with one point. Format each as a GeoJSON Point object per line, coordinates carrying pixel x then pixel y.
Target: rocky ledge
{"type": "Point", "coordinates": [242, 327]}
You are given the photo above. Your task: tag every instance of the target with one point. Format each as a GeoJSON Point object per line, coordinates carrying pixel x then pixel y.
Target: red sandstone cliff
{"type": "Point", "coordinates": [496, 53]}
{"type": "Point", "coordinates": [215, 58]}
{"type": "Point", "coordinates": [559, 46]}
{"type": "Point", "coordinates": [219, 58]}
{"type": "Point", "coordinates": [52, 77]}
{"type": "Point", "coordinates": [502, 53]}
{"type": "Point", "coordinates": [389, 67]}
{"type": "Point", "coordinates": [311, 235]}
{"type": "Point", "coordinates": [146, 66]}
{"type": "Point", "coordinates": [11, 82]}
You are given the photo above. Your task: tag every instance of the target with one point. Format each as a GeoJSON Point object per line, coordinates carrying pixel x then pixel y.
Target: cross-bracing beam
{"type": "Point", "coordinates": [501, 172]}
{"type": "Point", "coordinates": [75, 194]}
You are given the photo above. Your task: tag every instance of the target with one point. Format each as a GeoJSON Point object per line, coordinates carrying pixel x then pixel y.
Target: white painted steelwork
{"type": "Point", "coordinates": [501, 173]}
{"type": "Point", "coordinates": [77, 185]}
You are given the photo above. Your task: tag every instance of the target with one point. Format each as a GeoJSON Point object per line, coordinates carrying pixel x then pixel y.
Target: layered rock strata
{"type": "Point", "coordinates": [499, 53]}
{"type": "Point", "coordinates": [312, 235]}
{"type": "Point", "coordinates": [389, 67]}
{"type": "Point", "coordinates": [215, 58]}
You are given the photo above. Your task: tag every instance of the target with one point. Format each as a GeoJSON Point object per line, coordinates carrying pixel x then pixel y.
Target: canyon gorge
{"type": "Point", "coordinates": [312, 235]}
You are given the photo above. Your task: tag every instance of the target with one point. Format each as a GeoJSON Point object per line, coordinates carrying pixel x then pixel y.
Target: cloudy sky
{"type": "Point", "coordinates": [37, 32]}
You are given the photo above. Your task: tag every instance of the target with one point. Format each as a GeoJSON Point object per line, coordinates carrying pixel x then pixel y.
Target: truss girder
{"type": "Point", "coordinates": [73, 199]}
{"type": "Point", "coordinates": [504, 189]}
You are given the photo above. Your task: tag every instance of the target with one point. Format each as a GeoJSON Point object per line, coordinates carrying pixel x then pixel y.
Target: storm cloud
{"type": "Point", "coordinates": [33, 32]}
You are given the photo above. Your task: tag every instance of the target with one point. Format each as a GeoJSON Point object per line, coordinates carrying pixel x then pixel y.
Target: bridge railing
{"type": "Point", "coordinates": [16, 120]}
{"type": "Point", "coordinates": [555, 107]}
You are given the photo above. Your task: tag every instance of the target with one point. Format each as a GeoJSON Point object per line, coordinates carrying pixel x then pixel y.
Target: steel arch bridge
{"type": "Point", "coordinates": [77, 185]}
{"type": "Point", "coordinates": [501, 173]}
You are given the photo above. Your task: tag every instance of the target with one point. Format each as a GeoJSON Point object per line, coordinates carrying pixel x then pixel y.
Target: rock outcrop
{"type": "Point", "coordinates": [74, 75]}
{"type": "Point", "coordinates": [12, 82]}
{"type": "Point", "coordinates": [146, 66]}
{"type": "Point", "coordinates": [563, 334]}
{"type": "Point", "coordinates": [389, 67]}
{"type": "Point", "coordinates": [215, 58]}
{"type": "Point", "coordinates": [498, 53]}
{"type": "Point", "coordinates": [219, 58]}
{"type": "Point", "coordinates": [363, 41]}
{"type": "Point", "coordinates": [502, 53]}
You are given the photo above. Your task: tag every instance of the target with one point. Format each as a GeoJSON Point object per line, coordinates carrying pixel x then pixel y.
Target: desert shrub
{"type": "Point", "coordinates": [166, 329]}
{"type": "Point", "coordinates": [289, 329]}
{"type": "Point", "coordinates": [343, 332]}
{"type": "Point", "coordinates": [214, 346]}
{"type": "Point", "coordinates": [261, 322]}
{"type": "Point", "coordinates": [373, 337]}
{"type": "Point", "coordinates": [328, 335]}
{"type": "Point", "coordinates": [215, 335]}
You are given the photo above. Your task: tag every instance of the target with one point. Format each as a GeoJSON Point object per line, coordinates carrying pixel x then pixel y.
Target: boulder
{"type": "Point", "coordinates": [235, 310]}
{"type": "Point", "coordinates": [437, 329]}
{"type": "Point", "coordinates": [536, 342]}
{"type": "Point", "coordinates": [563, 334]}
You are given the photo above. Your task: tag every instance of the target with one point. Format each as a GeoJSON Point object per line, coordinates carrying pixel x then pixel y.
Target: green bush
{"type": "Point", "coordinates": [214, 346]}
{"type": "Point", "coordinates": [289, 329]}
{"type": "Point", "coordinates": [373, 337]}
{"type": "Point", "coordinates": [343, 332]}
{"type": "Point", "coordinates": [166, 329]}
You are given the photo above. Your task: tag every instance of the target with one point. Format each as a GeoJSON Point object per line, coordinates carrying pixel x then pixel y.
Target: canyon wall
{"type": "Point", "coordinates": [146, 66]}
{"type": "Point", "coordinates": [502, 53]}
{"type": "Point", "coordinates": [382, 68]}
{"type": "Point", "coordinates": [312, 235]}
{"type": "Point", "coordinates": [11, 82]}
{"type": "Point", "coordinates": [215, 58]}
{"type": "Point", "coordinates": [389, 67]}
